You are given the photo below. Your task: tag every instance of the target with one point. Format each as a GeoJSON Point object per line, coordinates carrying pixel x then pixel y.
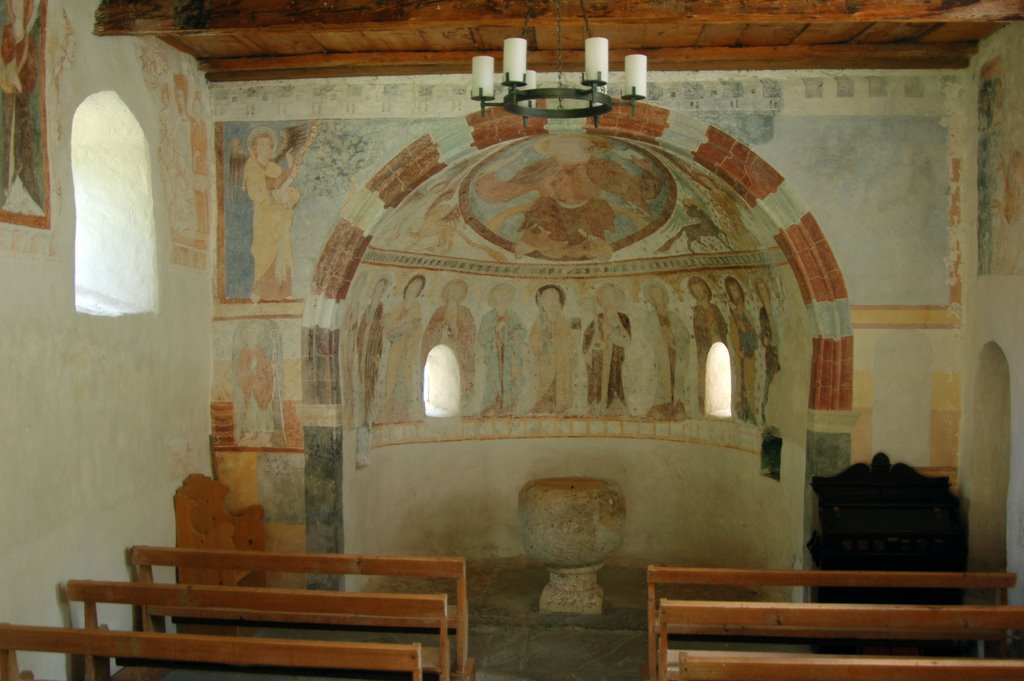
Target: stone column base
{"type": "Point", "coordinates": [573, 590]}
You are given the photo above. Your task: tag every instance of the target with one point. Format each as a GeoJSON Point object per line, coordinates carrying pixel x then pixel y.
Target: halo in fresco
{"type": "Point", "coordinates": [568, 197]}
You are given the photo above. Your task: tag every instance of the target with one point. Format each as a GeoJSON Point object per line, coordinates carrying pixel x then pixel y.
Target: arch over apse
{"type": "Point", "coordinates": [755, 182]}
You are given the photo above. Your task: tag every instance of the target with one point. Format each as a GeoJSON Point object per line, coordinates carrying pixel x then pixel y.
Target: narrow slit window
{"type": "Point", "coordinates": [441, 383]}
{"type": "Point", "coordinates": [718, 382]}
{"type": "Point", "coordinates": [115, 234]}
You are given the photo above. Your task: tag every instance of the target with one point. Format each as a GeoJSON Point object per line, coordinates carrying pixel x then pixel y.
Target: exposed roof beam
{"type": "Point", "coordinates": [141, 17]}
{"type": "Point", "coordinates": [896, 56]}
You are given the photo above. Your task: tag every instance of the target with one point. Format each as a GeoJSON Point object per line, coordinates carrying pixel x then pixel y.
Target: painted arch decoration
{"type": "Point", "coordinates": [540, 258]}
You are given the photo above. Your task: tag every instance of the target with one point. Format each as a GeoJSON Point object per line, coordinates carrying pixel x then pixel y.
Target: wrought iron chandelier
{"type": "Point", "coordinates": [523, 96]}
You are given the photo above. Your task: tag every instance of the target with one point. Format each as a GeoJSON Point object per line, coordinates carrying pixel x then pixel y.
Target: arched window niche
{"type": "Point", "coordinates": [718, 382]}
{"type": "Point", "coordinates": [441, 383]}
{"type": "Point", "coordinates": [115, 235]}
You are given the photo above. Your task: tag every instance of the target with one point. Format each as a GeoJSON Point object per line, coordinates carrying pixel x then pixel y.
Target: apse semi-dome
{"type": "Point", "coordinates": [573, 197]}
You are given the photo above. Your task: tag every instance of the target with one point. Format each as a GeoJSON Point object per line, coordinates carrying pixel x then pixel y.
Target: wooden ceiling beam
{"type": "Point", "coordinates": [163, 17]}
{"type": "Point", "coordinates": [898, 56]}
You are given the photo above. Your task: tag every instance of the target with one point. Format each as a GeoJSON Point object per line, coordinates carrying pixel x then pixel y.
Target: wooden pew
{"type": "Point", "coordinates": [829, 621]}
{"type": "Point", "coordinates": [746, 666]}
{"type": "Point", "coordinates": [144, 558]}
{"type": "Point", "coordinates": [659, 577]}
{"type": "Point", "coordinates": [202, 521]}
{"type": "Point", "coordinates": [279, 606]}
{"type": "Point", "coordinates": [99, 646]}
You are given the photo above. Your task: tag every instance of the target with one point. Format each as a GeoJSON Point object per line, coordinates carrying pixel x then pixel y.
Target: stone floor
{"type": "Point", "coordinates": [512, 641]}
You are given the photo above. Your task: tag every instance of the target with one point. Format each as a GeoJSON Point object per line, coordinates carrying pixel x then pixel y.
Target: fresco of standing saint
{"type": "Point", "coordinates": [604, 347]}
{"type": "Point", "coordinates": [452, 325]}
{"type": "Point", "coordinates": [257, 398]}
{"type": "Point", "coordinates": [501, 341]}
{"type": "Point", "coordinates": [743, 342]}
{"type": "Point", "coordinates": [403, 382]}
{"type": "Point", "coordinates": [768, 328]}
{"type": "Point", "coordinates": [709, 327]}
{"type": "Point", "coordinates": [553, 341]}
{"type": "Point", "coordinates": [670, 354]}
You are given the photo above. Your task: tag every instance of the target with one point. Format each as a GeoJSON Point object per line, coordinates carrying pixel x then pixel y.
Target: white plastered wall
{"type": "Point", "coordinates": [102, 417]}
{"type": "Point", "coordinates": [994, 304]}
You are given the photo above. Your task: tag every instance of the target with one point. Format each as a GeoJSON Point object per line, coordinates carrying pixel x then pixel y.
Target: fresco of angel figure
{"type": "Point", "coordinates": [267, 175]}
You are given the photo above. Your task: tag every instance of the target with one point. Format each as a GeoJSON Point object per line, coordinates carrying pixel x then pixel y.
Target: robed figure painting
{"type": "Point", "coordinates": [24, 172]}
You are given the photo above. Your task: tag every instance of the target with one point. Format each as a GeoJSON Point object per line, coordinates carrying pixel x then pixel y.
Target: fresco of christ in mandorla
{"type": "Point", "coordinates": [568, 197]}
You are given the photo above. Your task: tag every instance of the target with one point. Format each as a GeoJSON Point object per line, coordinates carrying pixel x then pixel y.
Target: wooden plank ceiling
{"type": "Point", "coordinates": [273, 39]}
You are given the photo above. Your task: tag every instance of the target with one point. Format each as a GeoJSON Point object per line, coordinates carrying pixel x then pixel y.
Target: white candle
{"type": "Point", "coordinates": [531, 84]}
{"type": "Point", "coordinates": [636, 75]}
{"type": "Point", "coordinates": [514, 65]}
{"type": "Point", "coordinates": [596, 59]}
{"type": "Point", "coordinates": [483, 76]}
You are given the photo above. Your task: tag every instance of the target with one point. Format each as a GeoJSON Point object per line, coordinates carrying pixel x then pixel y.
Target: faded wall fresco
{"type": "Point", "coordinates": [571, 275]}
{"type": "Point", "coordinates": [24, 166]}
{"type": "Point", "coordinates": [183, 159]}
{"type": "Point", "coordinates": [630, 347]}
{"type": "Point", "coordinates": [299, 198]}
{"type": "Point", "coordinates": [258, 384]}
{"type": "Point", "coordinates": [261, 196]}
{"type": "Point", "coordinates": [1000, 173]}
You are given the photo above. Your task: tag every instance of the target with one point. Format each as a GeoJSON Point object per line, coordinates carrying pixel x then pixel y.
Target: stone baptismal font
{"type": "Point", "coordinates": [571, 525]}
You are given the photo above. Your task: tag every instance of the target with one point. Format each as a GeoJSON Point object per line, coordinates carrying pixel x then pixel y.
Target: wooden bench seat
{"type": "Point", "coordinates": [828, 621]}
{"type": "Point", "coordinates": [661, 577]}
{"type": "Point", "coordinates": [452, 570]}
{"type": "Point", "coordinates": [277, 606]}
{"type": "Point", "coordinates": [747, 666]}
{"type": "Point", "coordinates": [100, 646]}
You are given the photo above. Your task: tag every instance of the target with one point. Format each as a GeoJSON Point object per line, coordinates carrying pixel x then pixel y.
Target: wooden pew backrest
{"type": "Point", "coordinates": [279, 606]}
{"type": "Point", "coordinates": [99, 646]}
{"type": "Point", "coordinates": [144, 558]}
{"type": "Point", "coordinates": [746, 666]}
{"type": "Point", "coordinates": [202, 521]}
{"type": "Point", "coordinates": [819, 621]}
{"type": "Point", "coordinates": [661, 576]}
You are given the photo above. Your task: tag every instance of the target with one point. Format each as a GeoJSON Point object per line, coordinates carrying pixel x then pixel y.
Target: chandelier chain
{"type": "Point", "coordinates": [558, 39]}
{"type": "Point", "coordinates": [586, 20]}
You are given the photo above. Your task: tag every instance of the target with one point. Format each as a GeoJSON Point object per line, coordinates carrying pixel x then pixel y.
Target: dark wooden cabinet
{"type": "Point", "coordinates": [888, 517]}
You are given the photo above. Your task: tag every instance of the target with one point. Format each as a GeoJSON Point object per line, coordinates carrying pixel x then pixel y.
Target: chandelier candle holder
{"type": "Point", "coordinates": [523, 96]}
